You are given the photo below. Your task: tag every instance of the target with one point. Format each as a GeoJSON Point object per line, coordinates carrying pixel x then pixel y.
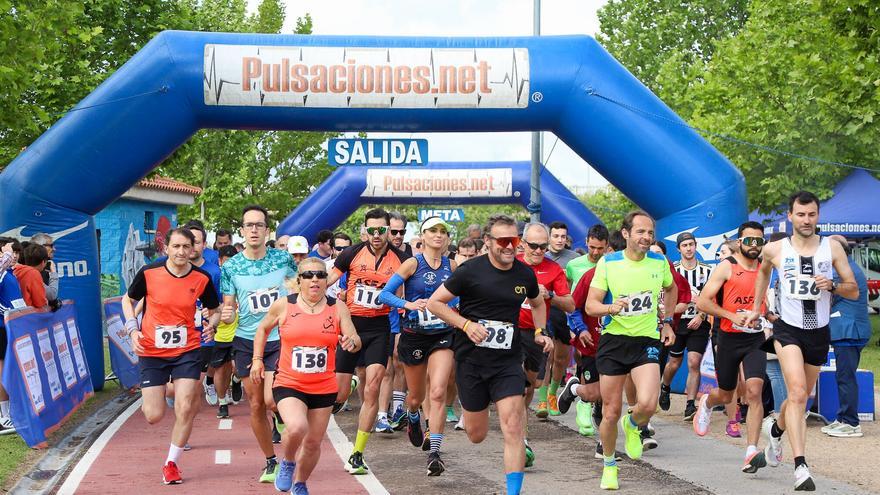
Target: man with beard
{"type": "Point", "coordinates": [728, 295]}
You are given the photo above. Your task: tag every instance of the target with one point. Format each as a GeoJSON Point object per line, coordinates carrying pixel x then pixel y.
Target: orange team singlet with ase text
{"type": "Point", "coordinates": [367, 275]}
{"type": "Point", "coordinates": [738, 294]}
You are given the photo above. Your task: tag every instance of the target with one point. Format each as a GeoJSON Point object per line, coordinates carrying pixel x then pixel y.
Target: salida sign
{"type": "Point", "coordinates": [377, 152]}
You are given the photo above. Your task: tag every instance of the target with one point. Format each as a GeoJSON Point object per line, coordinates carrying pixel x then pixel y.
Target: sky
{"type": "Point", "coordinates": [464, 18]}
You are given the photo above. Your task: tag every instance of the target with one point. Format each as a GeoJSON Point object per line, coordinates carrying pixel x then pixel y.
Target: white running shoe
{"type": "Point", "coordinates": [830, 426]}
{"type": "Point", "coordinates": [211, 394]}
{"type": "Point", "coordinates": [773, 450]}
{"type": "Point", "coordinates": [803, 482]}
{"type": "Point", "coordinates": [6, 426]}
{"type": "Point", "coordinates": [460, 425]}
{"type": "Point", "coordinates": [844, 430]}
{"type": "Point", "coordinates": [703, 417]}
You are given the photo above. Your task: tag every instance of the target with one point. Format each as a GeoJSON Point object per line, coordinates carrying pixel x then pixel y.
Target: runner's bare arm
{"type": "Point", "coordinates": [439, 307]}
{"type": "Point", "coordinates": [131, 324]}
{"type": "Point", "coordinates": [670, 297]}
{"type": "Point", "coordinates": [847, 287]}
{"type": "Point", "coordinates": [349, 339]}
{"type": "Point", "coordinates": [596, 308]}
{"type": "Point", "coordinates": [565, 303]}
{"type": "Point", "coordinates": [539, 316]}
{"type": "Point", "coordinates": [227, 312]}
{"type": "Point", "coordinates": [762, 280]}
{"type": "Point", "coordinates": [706, 302]}
{"type": "Point", "coordinates": [274, 317]}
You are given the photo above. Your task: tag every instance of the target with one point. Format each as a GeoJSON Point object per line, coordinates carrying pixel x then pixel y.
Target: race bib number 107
{"type": "Point", "coordinates": [260, 300]}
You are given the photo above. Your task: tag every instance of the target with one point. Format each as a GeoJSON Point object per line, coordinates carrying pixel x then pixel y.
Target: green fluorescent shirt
{"type": "Point", "coordinates": [576, 268]}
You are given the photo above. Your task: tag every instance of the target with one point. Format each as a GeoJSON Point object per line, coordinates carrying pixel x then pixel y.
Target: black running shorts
{"type": "Point", "coordinates": [619, 354]}
{"type": "Point", "coordinates": [221, 354]}
{"type": "Point", "coordinates": [155, 371]}
{"type": "Point", "coordinates": [532, 353]}
{"type": "Point", "coordinates": [813, 343]}
{"type": "Point", "coordinates": [312, 401]}
{"type": "Point", "coordinates": [692, 340]}
{"type": "Point", "coordinates": [244, 355]}
{"type": "Point", "coordinates": [586, 370]}
{"type": "Point", "coordinates": [480, 384]}
{"type": "Point", "coordinates": [375, 344]}
{"type": "Point", "coordinates": [413, 348]}
{"type": "Point", "coordinates": [735, 348]}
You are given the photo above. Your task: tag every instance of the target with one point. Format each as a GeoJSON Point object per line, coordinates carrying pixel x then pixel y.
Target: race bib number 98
{"type": "Point", "coordinates": [170, 337]}
{"type": "Point", "coordinates": [640, 303]}
{"type": "Point", "coordinates": [260, 300]}
{"type": "Point", "coordinates": [309, 359]}
{"type": "Point", "coordinates": [367, 297]}
{"type": "Point", "coordinates": [499, 334]}
{"type": "Point", "coordinates": [802, 288]}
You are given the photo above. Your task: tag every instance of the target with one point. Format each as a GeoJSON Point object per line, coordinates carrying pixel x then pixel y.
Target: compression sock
{"type": "Point", "coordinates": [436, 440]}
{"type": "Point", "coordinates": [799, 461]}
{"type": "Point", "coordinates": [554, 386]}
{"type": "Point", "coordinates": [360, 442]}
{"type": "Point", "coordinates": [514, 483]}
{"type": "Point", "coordinates": [542, 393]}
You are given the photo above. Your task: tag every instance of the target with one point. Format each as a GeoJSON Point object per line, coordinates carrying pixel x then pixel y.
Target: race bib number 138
{"type": "Point", "coordinates": [309, 359]}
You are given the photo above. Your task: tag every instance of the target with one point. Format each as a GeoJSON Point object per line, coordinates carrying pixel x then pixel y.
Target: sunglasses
{"type": "Point", "coordinates": [308, 275]}
{"type": "Point", "coordinates": [340, 248]}
{"type": "Point", "coordinates": [377, 230]}
{"type": "Point", "coordinates": [506, 242]}
{"type": "Point", "coordinates": [535, 246]}
{"type": "Point", "coordinates": [398, 232]}
{"type": "Point", "coordinates": [753, 241]}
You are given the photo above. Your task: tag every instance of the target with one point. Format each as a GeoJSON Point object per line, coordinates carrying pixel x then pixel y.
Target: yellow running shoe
{"type": "Point", "coordinates": [633, 443]}
{"type": "Point", "coordinates": [609, 478]}
{"type": "Point", "coordinates": [542, 409]}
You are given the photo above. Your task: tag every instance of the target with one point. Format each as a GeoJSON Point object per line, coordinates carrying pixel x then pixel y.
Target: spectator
{"type": "Point", "coordinates": [474, 232]}
{"type": "Point", "coordinates": [223, 238]}
{"type": "Point", "coordinates": [239, 247]}
{"type": "Point", "coordinates": [10, 298]}
{"type": "Point", "coordinates": [49, 275]}
{"type": "Point", "coordinates": [467, 249]}
{"type": "Point", "coordinates": [12, 246]}
{"type": "Point", "coordinates": [323, 247]}
{"type": "Point", "coordinates": [298, 247]}
{"type": "Point", "coordinates": [340, 241]}
{"type": "Point", "coordinates": [33, 260]}
{"type": "Point", "coordinates": [850, 332]}
{"type": "Point", "coordinates": [397, 231]}
{"type": "Point", "coordinates": [281, 242]}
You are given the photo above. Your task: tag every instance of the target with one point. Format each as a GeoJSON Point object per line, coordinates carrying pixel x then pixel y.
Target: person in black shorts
{"type": "Point", "coordinates": [488, 350]}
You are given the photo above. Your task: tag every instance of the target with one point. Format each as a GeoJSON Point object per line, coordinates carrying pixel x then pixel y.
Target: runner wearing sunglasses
{"type": "Point", "coordinates": [311, 325]}
{"type": "Point", "coordinates": [728, 295]}
{"type": "Point", "coordinates": [425, 346]}
{"type": "Point", "coordinates": [488, 349]}
{"type": "Point", "coordinates": [626, 290]}
{"type": "Point", "coordinates": [369, 265]}
{"type": "Point", "coordinates": [555, 291]}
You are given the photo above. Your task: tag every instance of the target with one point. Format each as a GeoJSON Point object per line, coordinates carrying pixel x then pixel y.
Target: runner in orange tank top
{"type": "Point", "coordinates": [310, 326]}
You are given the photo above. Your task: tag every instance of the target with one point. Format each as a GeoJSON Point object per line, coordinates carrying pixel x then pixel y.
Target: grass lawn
{"type": "Point", "coordinates": [871, 354]}
{"type": "Point", "coordinates": [16, 457]}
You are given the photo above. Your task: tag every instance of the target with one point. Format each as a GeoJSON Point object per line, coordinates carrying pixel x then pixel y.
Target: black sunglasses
{"type": "Point", "coordinates": [340, 248]}
{"type": "Point", "coordinates": [398, 232]}
{"type": "Point", "coordinates": [310, 274]}
{"type": "Point", "coordinates": [535, 245]}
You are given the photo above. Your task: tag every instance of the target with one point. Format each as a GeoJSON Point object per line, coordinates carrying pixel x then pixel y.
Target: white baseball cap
{"type": "Point", "coordinates": [433, 222]}
{"type": "Point", "coordinates": [298, 245]}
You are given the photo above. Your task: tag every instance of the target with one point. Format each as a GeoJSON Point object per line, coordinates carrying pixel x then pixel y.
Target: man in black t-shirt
{"type": "Point", "coordinates": [488, 351]}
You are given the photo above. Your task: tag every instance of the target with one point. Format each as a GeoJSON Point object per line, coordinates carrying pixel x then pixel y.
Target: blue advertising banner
{"type": "Point", "coordinates": [447, 214]}
{"type": "Point", "coordinates": [45, 372]}
{"type": "Point", "coordinates": [123, 360]}
{"type": "Point", "coordinates": [377, 152]}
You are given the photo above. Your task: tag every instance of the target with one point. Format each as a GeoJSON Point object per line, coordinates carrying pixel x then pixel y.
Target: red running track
{"type": "Point", "coordinates": [132, 460]}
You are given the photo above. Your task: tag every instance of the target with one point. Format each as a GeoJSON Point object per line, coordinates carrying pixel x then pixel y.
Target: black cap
{"type": "Point", "coordinates": [684, 236]}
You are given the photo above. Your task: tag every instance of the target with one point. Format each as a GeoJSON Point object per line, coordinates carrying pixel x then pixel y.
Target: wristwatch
{"type": "Point", "coordinates": [834, 286]}
{"type": "Point", "coordinates": [667, 320]}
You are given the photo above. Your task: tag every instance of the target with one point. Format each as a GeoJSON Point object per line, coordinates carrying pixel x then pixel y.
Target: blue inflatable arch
{"type": "Point", "coordinates": [183, 81]}
{"type": "Point", "coordinates": [443, 183]}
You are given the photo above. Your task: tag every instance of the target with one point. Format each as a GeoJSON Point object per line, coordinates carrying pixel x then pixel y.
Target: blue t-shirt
{"type": "Point", "coordinates": [10, 295]}
{"type": "Point", "coordinates": [256, 284]}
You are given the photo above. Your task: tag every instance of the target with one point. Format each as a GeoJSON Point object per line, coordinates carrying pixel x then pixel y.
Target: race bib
{"type": "Point", "coordinates": [690, 312]}
{"type": "Point", "coordinates": [260, 300]}
{"type": "Point", "coordinates": [427, 319]}
{"type": "Point", "coordinates": [198, 319]}
{"type": "Point", "coordinates": [309, 359]}
{"type": "Point", "coordinates": [170, 337]}
{"type": "Point", "coordinates": [640, 303]}
{"type": "Point", "coordinates": [525, 304]}
{"type": "Point", "coordinates": [367, 297]}
{"type": "Point", "coordinates": [499, 334]}
{"type": "Point", "coordinates": [802, 288]}
{"type": "Point", "coordinates": [760, 328]}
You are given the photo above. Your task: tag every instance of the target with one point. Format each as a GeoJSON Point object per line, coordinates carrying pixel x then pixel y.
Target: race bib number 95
{"type": "Point", "coordinates": [499, 334]}
{"type": "Point", "coordinates": [309, 359]}
{"type": "Point", "coordinates": [170, 337]}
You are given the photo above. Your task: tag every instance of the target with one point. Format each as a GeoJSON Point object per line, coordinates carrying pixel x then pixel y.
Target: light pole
{"type": "Point", "coordinates": [535, 182]}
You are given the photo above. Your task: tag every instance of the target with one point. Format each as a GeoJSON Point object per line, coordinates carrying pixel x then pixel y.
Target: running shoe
{"type": "Point", "coordinates": [530, 456]}
{"type": "Point", "coordinates": [223, 411]}
{"type": "Point", "coordinates": [703, 417]}
{"type": "Point", "coordinates": [451, 417]}
{"type": "Point", "coordinates": [742, 412]}
{"type": "Point", "coordinates": [210, 394]}
{"type": "Point", "coordinates": [236, 391]}
{"type": "Point", "coordinates": [552, 403]}
{"type": "Point", "coordinates": [398, 419]}
{"type": "Point", "coordinates": [773, 450]}
{"type": "Point", "coordinates": [664, 397]}
{"type": "Point", "coordinates": [276, 435]}
{"type": "Point", "coordinates": [6, 426]}
{"type": "Point", "coordinates": [356, 464]}
{"type": "Point", "coordinates": [600, 453]}
{"type": "Point", "coordinates": [542, 410]}
{"type": "Point", "coordinates": [754, 462]}
{"type": "Point", "coordinates": [435, 464]}
{"type": "Point", "coordinates": [337, 406]}
{"type": "Point", "coordinates": [284, 476]}
{"type": "Point", "coordinates": [649, 429]}
{"type": "Point", "coordinates": [426, 442]}
{"type": "Point", "coordinates": [563, 402]}
{"type": "Point", "coordinates": [609, 478]}
{"type": "Point", "coordinates": [831, 426]}
{"type": "Point", "coordinates": [229, 397]}
{"type": "Point", "coordinates": [648, 443]}
{"type": "Point", "coordinates": [460, 425]}
{"type": "Point", "coordinates": [844, 430]}
{"type": "Point", "coordinates": [689, 411]}
{"type": "Point", "coordinates": [187, 447]}
{"type": "Point", "coordinates": [382, 426]}
{"type": "Point", "coordinates": [279, 423]}
{"type": "Point", "coordinates": [803, 481]}
{"type": "Point", "coordinates": [584, 418]}
{"type": "Point", "coordinates": [299, 488]}
{"type": "Point", "coordinates": [355, 381]}
{"type": "Point", "coordinates": [414, 432]}
{"type": "Point", "coordinates": [171, 474]}
{"type": "Point", "coordinates": [632, 433]}
{"type": "Point", "coordinates": [268, 474]}
{"type": "Point", "coordinates": [733, 429]}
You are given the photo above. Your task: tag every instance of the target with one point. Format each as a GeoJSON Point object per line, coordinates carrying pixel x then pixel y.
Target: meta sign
{"type": "Point", "coordinates": [377, 152]}
{"type": "Point", "coordinates": [447, 214]}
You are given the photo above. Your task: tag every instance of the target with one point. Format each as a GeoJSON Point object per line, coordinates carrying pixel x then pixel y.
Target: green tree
{"type": "Point", "coordinates": [609, 204]}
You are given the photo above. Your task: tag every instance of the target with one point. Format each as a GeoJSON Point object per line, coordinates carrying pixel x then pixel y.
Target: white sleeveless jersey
{"type": "Point", "coordinates": [801, 303]}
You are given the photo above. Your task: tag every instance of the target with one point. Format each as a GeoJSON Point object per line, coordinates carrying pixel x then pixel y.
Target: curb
{"type": "Point", "coordinates": [57, 461]}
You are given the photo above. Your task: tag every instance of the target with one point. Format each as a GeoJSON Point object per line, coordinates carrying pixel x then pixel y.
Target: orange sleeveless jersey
{"type": "Point", "coordinates": [738, 293]}
{"type": "Point", "coordinates": [308, 349]}
{"type": "Point", "coordinates": [367, 275]}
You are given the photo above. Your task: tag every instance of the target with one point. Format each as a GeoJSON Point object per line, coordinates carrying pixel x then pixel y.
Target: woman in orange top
{"type": "Point", "coordinates": [310, 325]}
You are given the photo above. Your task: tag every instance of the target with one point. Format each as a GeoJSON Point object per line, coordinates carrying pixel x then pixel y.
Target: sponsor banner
{"type": "Point", "coordinates": [439, 183]}
{"type": "Point", "coordinates": [354, 77]}
{"type": "Point", "coordinates": [377, 152]}
{"type": "Point", "coordinates": [123, 360]}
{"type": "Point", "coordinates": [447, 214]}
{"type": "Point", "coordinates": [44, 385]}
{"type": "Point", "coordinates": [849, 228]}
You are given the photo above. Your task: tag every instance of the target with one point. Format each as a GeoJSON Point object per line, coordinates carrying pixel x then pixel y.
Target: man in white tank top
{"type": "Point", "coordinates": [804, 262]}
